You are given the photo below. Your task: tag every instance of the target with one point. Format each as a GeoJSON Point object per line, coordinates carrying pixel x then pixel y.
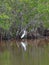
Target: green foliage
{"type": "Point", "coordinates": [15, 10]}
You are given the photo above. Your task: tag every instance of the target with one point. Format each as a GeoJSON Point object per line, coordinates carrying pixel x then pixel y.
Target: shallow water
{"type": "Point", "coordinates": [24, 52]}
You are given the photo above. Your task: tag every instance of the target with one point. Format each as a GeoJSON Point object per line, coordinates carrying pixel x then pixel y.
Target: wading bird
{"type": "Point", "coordinates": [24, 33]}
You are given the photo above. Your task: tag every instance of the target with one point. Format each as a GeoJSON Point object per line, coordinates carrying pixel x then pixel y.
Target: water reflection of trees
{"type": "Point", "coordinates": [17, 44]}
{"type": "Point", "coordinates": [34, 52]}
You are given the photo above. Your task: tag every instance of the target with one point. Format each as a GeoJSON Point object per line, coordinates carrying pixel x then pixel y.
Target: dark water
{"type": "Point", "coordinates": [24, 52]}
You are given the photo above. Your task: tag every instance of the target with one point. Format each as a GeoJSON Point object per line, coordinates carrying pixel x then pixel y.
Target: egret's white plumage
{"type": "Point", "coordinates": [24, 45]}
{"type": "Point", "coordinates": [24, 33]}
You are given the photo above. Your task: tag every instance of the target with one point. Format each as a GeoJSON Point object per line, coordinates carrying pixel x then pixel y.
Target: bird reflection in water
{"type": "Point", "coordinates": [24, 45]}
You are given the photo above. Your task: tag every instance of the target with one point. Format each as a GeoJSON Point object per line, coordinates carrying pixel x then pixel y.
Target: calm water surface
{"type": "Point", "coordinates": [24, 52]}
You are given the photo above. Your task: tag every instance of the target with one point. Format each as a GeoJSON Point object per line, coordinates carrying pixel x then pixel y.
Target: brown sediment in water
{"type": "Point", "coordinates": [35, 42]}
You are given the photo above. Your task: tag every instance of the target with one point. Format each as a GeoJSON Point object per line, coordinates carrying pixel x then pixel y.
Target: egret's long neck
{"type": "Point", "coordinates": [24, 32]}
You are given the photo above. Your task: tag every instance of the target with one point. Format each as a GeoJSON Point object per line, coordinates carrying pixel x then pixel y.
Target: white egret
{"type": "Point", "coordinates": [24, 33]}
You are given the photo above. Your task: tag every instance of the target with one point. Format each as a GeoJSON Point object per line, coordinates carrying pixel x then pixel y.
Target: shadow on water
{"type": "Point", "coordinates": [24, 52]}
